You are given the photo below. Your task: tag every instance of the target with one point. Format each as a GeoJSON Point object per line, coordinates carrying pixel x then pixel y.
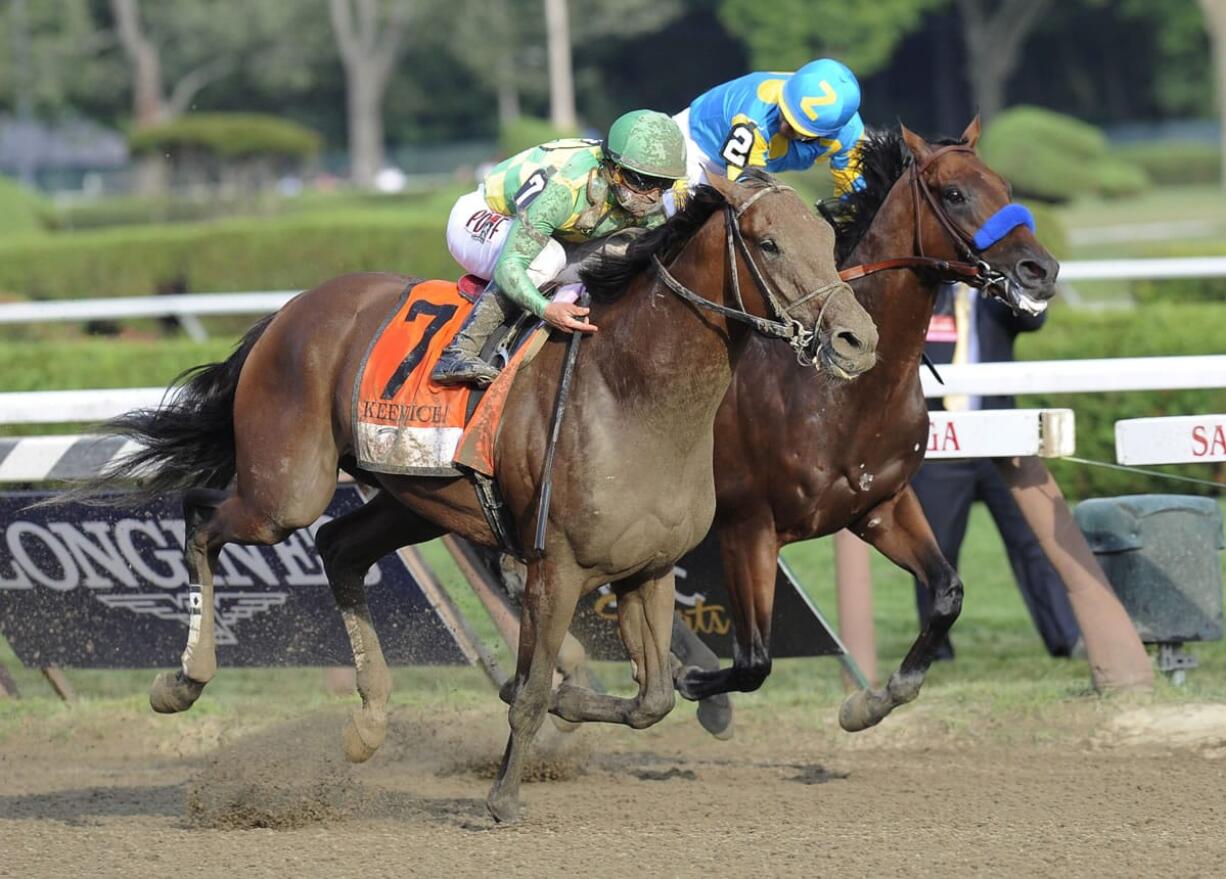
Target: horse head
{"type": "Point", "coordinates": [788, 273]}
{"type": "Point", "coordinates": [964, 211]}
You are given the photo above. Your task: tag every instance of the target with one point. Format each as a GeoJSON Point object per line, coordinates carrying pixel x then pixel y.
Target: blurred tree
{"type": "Point", "coordinates": [561, 71]}
{"type": "Point", "coordinates": [190, 71]}
{"type": "Point", "coordinates": [994, 32]}
{"type": "Point", "coordinates": [1215, 24]}
{"type": "Point", "coordinates": [487, 38]}
{"type": "Point", "coordinates": [370, 36]}
{"type": "Point", "coordinates": [53, 56]}
{"type": "Point", "coordinates": [177, 48]}
{"type": "Point", "coordinates": [784, 34]}
{"type": "Point", "coordinates": [1180, 58]}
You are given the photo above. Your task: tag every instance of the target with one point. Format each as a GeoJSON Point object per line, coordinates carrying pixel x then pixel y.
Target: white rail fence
{"type": "Point", "coordinates": [1045, 432]}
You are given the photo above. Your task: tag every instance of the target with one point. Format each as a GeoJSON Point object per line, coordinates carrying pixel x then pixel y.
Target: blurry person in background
{"type": "Point", "coordinates": [969, 328]}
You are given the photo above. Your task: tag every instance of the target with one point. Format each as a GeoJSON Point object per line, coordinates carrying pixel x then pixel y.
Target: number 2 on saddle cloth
{"type": "Point", "coordinates": [402, 421]}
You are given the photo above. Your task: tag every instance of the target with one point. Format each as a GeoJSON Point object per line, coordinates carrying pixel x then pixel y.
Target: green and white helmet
{"type": "Point", "coordinates": [648, 143]}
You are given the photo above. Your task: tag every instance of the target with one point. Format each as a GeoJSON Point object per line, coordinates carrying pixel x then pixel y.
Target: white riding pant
{"type": "Point", "coordinates": [697, 164]}
{"type": "Point", "coordinates": [476, 235]}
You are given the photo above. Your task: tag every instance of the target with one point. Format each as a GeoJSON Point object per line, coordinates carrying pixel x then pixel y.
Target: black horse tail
{"type": "Point", "coordinates": [186, 442]}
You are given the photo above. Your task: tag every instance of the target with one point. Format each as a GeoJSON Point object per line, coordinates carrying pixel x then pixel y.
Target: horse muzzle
{"type": "Point", "coordinates": [845, 351]}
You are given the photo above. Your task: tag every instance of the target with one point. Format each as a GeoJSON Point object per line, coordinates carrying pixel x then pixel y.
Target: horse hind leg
{"type": "Point", "coordinates": [349, 546]}
{"type": "Point", "coordinates": [211, 520]}
{"type": "Point", "coordinates": [177, 691]}
{"type": "Point", "coordinates": [645, 621]}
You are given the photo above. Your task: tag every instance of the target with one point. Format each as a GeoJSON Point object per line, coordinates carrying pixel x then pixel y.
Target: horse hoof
{"type": "Point", "coordinates": [504, 810]}
{"type": "Point", "coordinates": [715, 716]}
{"type": "Point", "coordinates": [856, 712]}
{"type": "Point", "coordinates": [361, 738]}
{"type": "Point", "coordinates": [686, 685]}
{"type": "Point", "coordinates": [507, 691]}
{"type": "Point", "coordinates": [173, 692]}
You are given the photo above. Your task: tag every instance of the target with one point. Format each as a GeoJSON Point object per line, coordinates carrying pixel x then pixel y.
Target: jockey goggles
{"type": "Point", "coordinates": [642, 183]}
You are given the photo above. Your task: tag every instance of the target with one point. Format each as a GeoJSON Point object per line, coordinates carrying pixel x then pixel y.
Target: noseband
{"type": "Point", "coordinates": [783, 326]}
{"type": "Point", "coordinates": [974, 270]}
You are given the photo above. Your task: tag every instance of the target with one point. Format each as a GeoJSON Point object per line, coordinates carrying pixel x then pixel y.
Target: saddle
{"type": "Point", "coordinates": [405, 423]}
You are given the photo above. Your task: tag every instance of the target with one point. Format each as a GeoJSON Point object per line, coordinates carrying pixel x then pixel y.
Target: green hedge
{"type": "Point", "coordinates": [234, 255]}
{"type": "Point", "coordinates": [21, 210]}
{"type": "Point", "coordinates": [1150, 331]}
{"type": "Point", "coordinates": [228, 136]}
{"type": "Point", "coordinates": [1175, 161]}
{"type": "Point", "coordinates": [527, 132]}
{"type": "Point", "coordinates": [1181, 289]}
{"type": "Point", "coordinates": [1052, 157]}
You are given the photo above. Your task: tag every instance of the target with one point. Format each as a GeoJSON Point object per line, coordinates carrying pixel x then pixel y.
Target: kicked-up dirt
{"type": "Point", "coordinates": [1121, 791]}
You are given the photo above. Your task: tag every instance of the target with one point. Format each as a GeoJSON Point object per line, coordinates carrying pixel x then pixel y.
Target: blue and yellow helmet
{"type": "Point", "coordinates": [820, 98]}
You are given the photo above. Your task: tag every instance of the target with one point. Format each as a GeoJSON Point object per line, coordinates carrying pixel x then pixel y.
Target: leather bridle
{"type": "Point", "coordinates": [973, 270]}
{"type": "Point", "coordinates": [783, 325]}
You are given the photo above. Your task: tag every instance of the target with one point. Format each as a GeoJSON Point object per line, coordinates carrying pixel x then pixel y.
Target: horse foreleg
{"type": "Point", "coordinates": [900, 531]}
{"type": "Point", "coordinates": [349, 546]}
{"type": "Point", "coordinates": [750, 552]}
{"type": "Point", "coordinates": [549, 605]}
{"type": "Point", "coordinates": [645, 621]}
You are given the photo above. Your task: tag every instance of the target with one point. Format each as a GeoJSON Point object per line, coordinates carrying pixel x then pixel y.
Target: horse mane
{"type": "Point", "coordinates": [884, 157]}
{"type": "Point", "coordinates": [608, 275]}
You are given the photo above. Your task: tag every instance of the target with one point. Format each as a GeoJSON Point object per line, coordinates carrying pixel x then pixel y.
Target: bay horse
{"type": "Point", "coordinates": [257, 441]}
{"type": "Point", "coordinates": [799, 456]}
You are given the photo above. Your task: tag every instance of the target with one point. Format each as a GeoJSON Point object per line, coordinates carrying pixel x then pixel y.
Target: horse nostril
{"type": "Point", "coordinates": [1031, 272]}
{"type": "Point", "coordinates": [849, 340]}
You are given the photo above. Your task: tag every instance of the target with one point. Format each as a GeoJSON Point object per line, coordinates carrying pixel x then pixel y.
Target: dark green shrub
{"type": "Point", "coordinates": [1052, 157]}
{"type": "Point", "coordinates": [1117, 178]}
{"type": "Point", "coordinates": [21, 210]}
{"type": "Point", "coordinates": [228, 136]}
{"type": "Point", "coordinates": [526, 132]}
{"type": "Point", "coordinates": [1181, 289]}
{"type": "Point", "coordinates": [292, 252]}
{"type": "Point", "coordinates": [1170, 162]}
{"type": "Point", "coordinates": [1150, 331]}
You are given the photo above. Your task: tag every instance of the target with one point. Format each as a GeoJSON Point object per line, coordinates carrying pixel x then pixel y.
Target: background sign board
{"type": "Point", "coordinates": [797, 628]}
{"type": "Point", "coordinates": [94, 587]}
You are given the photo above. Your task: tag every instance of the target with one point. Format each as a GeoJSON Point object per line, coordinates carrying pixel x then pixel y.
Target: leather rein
{"type": "Point", "coordinates": [974, 271]}
{"type": "Point", "coordinates": [783, 326]}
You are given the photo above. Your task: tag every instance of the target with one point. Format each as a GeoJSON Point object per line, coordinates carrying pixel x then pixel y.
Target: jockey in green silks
{"type": "Point", "coordinates": [573, 190]}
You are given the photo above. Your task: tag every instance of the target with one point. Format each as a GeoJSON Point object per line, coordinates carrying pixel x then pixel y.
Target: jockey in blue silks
{"type": "Point", "coordinates": [778, 122]}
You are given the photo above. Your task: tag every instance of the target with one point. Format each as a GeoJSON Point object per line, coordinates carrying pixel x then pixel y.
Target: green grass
{"type": "Point", "coordinates": [1161, 204]}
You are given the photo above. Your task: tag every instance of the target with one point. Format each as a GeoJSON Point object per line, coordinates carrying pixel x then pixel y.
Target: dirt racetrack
{"type": "Point", "coordinates": [1115, 790]}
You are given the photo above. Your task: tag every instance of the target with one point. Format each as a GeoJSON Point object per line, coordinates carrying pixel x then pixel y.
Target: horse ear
{"type": "Point", "coordinates": [917, 145]}
{"type": "Point", "coordinates": [971, 135]}
{"type": "Point", "coordinates": [725, 187]}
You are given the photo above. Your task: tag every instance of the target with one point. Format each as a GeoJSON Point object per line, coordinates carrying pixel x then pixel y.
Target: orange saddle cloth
{"type": "Point", "coordinates": [405, 423]}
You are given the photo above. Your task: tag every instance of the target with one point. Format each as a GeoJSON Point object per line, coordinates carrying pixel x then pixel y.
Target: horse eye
{"type": "Point", "coordinates": [953, 195]}
{"type": "Point", "coordinates": [768, 245]}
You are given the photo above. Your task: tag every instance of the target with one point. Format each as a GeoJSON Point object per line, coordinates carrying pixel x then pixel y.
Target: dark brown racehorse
{"type": "Point", "coordinates": [799, 456]}
{"type": "Point", "coordinates": [259, 439]}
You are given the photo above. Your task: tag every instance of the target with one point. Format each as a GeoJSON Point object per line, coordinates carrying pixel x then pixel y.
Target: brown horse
{"type": "Point", "coordinates": [633, 487]}
{"type": "Point", "coordinates": [798, 457]}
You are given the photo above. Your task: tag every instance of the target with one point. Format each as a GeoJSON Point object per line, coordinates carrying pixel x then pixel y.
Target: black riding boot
{"type": "Point", "coordinates": [461, 363]}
